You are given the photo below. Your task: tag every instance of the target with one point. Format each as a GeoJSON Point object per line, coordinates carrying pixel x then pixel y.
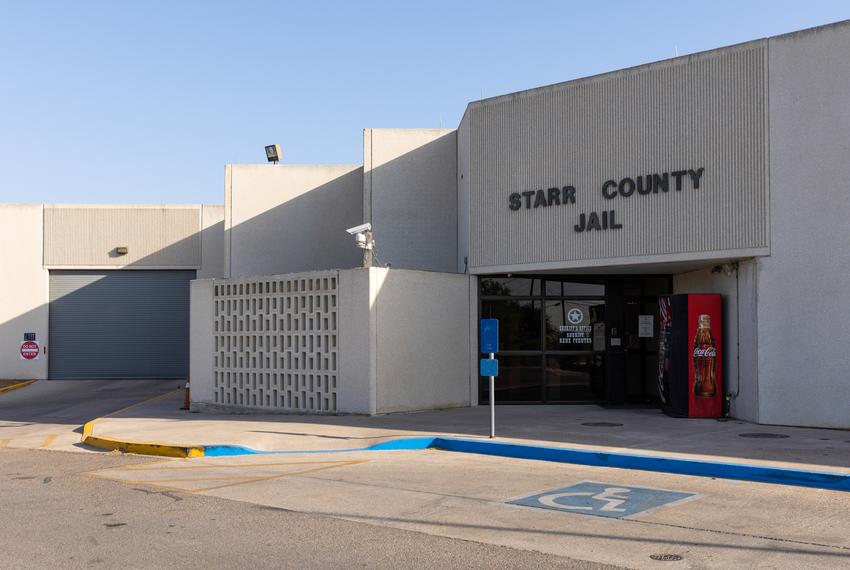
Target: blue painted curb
{"type": "Point", "coordinates": [674, 465]}
{"type": "Point", "coordinates": [699, 468]}
{"type": "Point", "coordinates": [394, 444]}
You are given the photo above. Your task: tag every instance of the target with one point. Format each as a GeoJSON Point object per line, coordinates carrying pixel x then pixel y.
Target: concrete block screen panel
{"type": "Point", "coordinates": [275, 342]}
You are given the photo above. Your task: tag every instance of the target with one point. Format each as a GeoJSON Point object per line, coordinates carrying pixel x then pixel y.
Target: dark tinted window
{"type": "Point", "coordinates": [519, 323]}
{"type": "Point", "coordinates": [519, 380]}
{"type": "Point", "coordinates": [569, 288]}
{"type": "Point", "coordinates": [509, 287]}
{"type": "Point", "coordinates": [571, 378]}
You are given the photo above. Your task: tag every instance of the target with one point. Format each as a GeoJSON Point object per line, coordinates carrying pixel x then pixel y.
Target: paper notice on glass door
{"type": "Point", "coordinates": [598, 336]}
{"type": "Point", "coordinates": [646, 326]}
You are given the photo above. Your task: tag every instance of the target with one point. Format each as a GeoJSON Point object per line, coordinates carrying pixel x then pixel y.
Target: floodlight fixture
{"type": "Point", "coordinates": [273, 153]}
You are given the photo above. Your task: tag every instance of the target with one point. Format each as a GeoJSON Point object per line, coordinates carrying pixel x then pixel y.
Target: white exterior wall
{"type": "Point", "coordinates": [201, 339]}
{"type": "Point", "coordinates": [410, 196]}
{"type": "Point", "coordinates": [23, 289]}
{"type": "Point", "coordinates": [357, 342]}
{"type": "Point", "coordinates": [740, 370]}
{"type": "Point", "coordinates": [156, 236]}
{"type": "Point", "coordinates": [702, 111]}
{"type": "Point", "coordinates": [212, 242]}
{"type": "Point", "coordinates": [422, 340]}
{"type": "Point", "coordinates": [463, 206]}
{"type": "Point", "coordinates": [360, 341]}
{"type": "Point", "coordinates": [803, 293]}
{"type": "Point", "coordinates": [288, 218]}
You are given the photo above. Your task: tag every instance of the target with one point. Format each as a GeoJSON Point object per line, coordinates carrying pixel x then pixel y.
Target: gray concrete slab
{"type": "Point", "coordinates": [56, 517]}
{"type": "Point", "coordinates": [725, 525]}
{"type": "Point", "coordinates": [49, 414]}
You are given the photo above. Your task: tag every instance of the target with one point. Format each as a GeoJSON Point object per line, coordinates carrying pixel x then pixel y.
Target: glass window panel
{"type": "Point", "coordinates": [509, 287]}
{"type": "Point", "coordinates": [575, 325]}
{"type": "Point", "coordinates": [519, 323]}
{"type": "Point", "coordinates": [656, 286]}
{"type": "Point", "coordinates": [519, 380]}
{"type": "Point", "coordinates": [570, 288]}
{"type": "Point", "coordinates": [574, 378]}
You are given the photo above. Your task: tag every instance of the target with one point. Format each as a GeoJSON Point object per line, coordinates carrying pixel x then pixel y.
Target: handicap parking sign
{"type": "Point", "coordinates": [603, 499]}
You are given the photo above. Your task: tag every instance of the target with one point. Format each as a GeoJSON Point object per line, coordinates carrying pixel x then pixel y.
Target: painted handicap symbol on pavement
{"type": "Point", "coordinates": [602, 499]}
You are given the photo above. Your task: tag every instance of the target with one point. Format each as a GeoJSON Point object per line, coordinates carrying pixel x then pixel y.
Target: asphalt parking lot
{"type": "Point", "coordinates": [54, 516]}
{"type": "Point", "coordinates": [411, 508]}
{"type": "Point", "coordinates": [604, 515]}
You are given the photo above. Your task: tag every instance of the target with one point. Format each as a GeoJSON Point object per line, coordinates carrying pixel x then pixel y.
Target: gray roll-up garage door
{"type": "Point", "coordinates": [119, 324]}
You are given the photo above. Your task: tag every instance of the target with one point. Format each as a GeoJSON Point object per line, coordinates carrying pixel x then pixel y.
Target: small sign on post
{"type": "Point", "coordinates": [489, 341]}
{"type": "Point", "coordinates": [489, 336]}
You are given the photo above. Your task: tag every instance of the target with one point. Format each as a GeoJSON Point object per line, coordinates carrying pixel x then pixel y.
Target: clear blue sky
{"type": "Point", "coordinates": [119, 101]}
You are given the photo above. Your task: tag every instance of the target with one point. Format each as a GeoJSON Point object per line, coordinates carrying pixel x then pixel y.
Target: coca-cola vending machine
{"type": "Point", "coordinates": [690, 355]}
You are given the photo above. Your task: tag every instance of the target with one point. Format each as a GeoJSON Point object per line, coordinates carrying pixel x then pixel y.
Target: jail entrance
{"type": "Point", "coordinates": [574, 339]}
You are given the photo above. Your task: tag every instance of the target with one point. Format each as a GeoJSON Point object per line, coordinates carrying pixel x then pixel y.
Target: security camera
{"type": "Point", "coordinates": [367, 227]}
{"type": "Point", "coordinates": [362, 236]}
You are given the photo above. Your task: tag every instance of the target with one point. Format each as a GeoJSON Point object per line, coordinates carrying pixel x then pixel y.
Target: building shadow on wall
{"type": "Point", "coordinates": [303, 233]}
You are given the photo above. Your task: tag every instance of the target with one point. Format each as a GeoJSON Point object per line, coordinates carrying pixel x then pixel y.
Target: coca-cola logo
{"type": "Point", "coordinates": [708, 352]}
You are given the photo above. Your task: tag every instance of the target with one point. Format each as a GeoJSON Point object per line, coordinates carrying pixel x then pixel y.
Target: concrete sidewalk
{"type": "Point", "coordinates": [636, 431]}
{"type": "Point", "coordinates": [48, 414]}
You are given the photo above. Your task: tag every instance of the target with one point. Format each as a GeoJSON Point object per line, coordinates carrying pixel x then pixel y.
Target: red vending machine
{"type": "Point", "coordinates": [690, 355]}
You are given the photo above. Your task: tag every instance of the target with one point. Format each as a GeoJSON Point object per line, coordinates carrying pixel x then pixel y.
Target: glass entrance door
{"type": "Point", "coordinates": [552, 339]}
{"type": "Point", "coordinates": [576, 339]}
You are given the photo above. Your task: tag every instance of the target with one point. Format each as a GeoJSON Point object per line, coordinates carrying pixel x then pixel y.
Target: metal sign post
{"type": "Point", "coordinates": [489, 340]}
{"type": "Point", "coordinates": [493, 402]}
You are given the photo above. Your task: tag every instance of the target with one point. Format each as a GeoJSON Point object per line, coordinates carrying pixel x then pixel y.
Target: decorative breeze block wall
{"type": "Point", "coordinates": [275, 342]}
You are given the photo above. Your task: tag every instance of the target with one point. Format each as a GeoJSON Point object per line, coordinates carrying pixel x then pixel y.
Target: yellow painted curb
{"type": "Point", "coordinates": [21, 384]}
{"type": "Point", "coordinates": [138, 447]}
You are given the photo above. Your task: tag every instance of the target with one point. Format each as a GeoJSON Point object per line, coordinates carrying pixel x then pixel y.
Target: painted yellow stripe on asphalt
{"type": "Point", "coordinates": [183, 467]}
{"type": "Point", "coordinates": [4, 442]}
{"type": "Point", "coordinates": [16, 386]}
{"type": "Point", "coordinates": [48, 441]}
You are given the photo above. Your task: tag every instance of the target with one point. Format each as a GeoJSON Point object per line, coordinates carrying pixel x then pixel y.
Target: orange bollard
{"type": "Point", "coordinates": [185, 397]}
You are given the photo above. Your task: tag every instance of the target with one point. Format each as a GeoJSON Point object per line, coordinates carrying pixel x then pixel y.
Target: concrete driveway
{"type": "Point", "coordinates": [532, 505]}
{"type": "Point", "coordinates": [49, 414]}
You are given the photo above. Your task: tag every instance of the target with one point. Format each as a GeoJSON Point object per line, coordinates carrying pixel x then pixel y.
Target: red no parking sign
{"type": "Point", "coordinates": [29, 350]}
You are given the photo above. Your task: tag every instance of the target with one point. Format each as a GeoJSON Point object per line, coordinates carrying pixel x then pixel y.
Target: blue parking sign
{"type": "Point", "coordinates": [489, 367]}
{"type": "Point", "coordinates": [489, 336]}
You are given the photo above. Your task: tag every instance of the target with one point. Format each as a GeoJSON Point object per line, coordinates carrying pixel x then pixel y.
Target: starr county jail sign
{"type": "Point", "coordinates": [603, 499]}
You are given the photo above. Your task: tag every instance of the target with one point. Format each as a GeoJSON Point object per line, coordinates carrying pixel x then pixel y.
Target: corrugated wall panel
{"type": "Point", "coordinates": [706, 111]}
{"type": "Point", "coordinates": [155, 236]}
{"type": "Point", "coordinates": [119, 324]}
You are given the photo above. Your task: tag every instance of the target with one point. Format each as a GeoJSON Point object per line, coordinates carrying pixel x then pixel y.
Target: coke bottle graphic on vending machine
{"type": "Point", "coordinates": [705, 359]}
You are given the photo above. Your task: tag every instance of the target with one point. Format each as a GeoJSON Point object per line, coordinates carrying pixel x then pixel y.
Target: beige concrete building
{"type": "Point", "coordinates": [719, 172]}
{"type": "Point", "coordinates": [102, 290]}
